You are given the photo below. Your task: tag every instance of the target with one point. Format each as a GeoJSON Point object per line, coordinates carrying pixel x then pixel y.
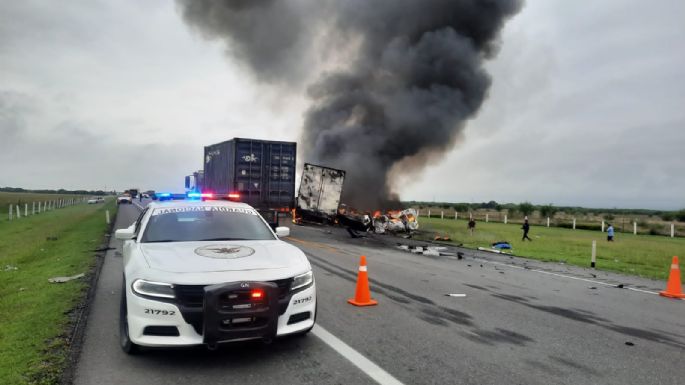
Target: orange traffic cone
{"type": "Point", "coordinates": [673, 287]}
{"type": "Point", "coordinates": [362, 296]}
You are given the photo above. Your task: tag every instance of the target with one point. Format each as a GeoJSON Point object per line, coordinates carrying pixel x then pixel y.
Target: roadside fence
{"type": "Point", "coordinates": [569, 223]}
{"type": "Point", "coordinates": [17, 211]}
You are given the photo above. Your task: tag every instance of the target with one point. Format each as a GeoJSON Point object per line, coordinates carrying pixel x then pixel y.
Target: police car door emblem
{"type": "Point", "coordinates": [224, 251]}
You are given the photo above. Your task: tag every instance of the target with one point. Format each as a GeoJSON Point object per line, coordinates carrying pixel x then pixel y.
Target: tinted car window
{"type": "Point", "coordinates": [210, 223]}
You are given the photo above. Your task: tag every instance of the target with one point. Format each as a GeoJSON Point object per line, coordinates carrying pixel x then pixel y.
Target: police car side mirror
{"type": "Point", "coordinates": [125, 234]}
{"type": "Point", "coordinates": [283, 231]}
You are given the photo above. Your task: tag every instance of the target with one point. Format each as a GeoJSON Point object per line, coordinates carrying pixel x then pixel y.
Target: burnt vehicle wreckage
{"type": "Point", "coordinates": [318, 201]}
{"type": "Point", "coordinates": [262, 173]}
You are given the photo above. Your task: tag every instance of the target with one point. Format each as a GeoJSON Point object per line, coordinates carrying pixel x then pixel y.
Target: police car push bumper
{"type": "Point", "coordinates": [221, 321]}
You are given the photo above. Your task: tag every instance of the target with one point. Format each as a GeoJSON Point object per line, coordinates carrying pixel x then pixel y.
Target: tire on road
{"type": "Point", "coordinates": [124, 340]}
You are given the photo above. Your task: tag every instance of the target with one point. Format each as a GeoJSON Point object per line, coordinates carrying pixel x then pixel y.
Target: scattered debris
{"type": "Point", "coordinates": [433, 251]}
{"type": "Point", "coordinates": [10, 268]}
{"type": "Point", "coordinates": [630, 343]}
{"type": "Point", "coordinates": [445, 238]}
{"type": "Point", "coordinates": [65, 279]}
{"type": "Point", "coordinates": [592, 287]}
{"type": "Point", "coordinates": [470, 265]}
{"type": "Point", "coordinates": [455, 295]}
{"type": "Point", "coordinates": [51, 238]}
{"type": "Point", "coordinates": [501, 245]}
{"type": "Point", "coordinates": [103, 249]}
{"type": "Point", "coordinates": [460, 255]}
{"type": "Point", "coordinates": [497, 251]}
{"type": "Point", "coordinates": [22, 289]}
{"type": "Point", "coordinates": [481, 265]}
{"type": "Point", "coordinates": [501, 272]}
{"type": "Point", "coordinates": [593, 275]}
{"type": "Point", "coordinates": [354, 233]}
{"type": "Point", "coordinates": [620, 286]}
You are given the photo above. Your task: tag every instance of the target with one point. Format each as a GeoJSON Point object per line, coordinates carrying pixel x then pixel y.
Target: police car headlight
{"type": "Point", "coordinates": [153, 289]}
{"type": "Point", "coordinates": [302, 280]}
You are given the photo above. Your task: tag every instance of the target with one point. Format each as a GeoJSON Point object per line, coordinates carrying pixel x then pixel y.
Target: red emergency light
{"type": "Point", "coordinates": [257, 294]}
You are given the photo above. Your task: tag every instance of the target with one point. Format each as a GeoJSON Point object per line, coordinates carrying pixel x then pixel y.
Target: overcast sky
{"type": "Point", "coordinates": [587, 105]}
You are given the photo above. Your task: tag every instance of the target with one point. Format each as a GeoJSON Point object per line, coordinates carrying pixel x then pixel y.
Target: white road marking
{"type": "Point", "coordinates": [357, 359]}
{"type": "Point", "coordinates": [455, 295]}
{"type": "Point", "coordinates": [564, 276]}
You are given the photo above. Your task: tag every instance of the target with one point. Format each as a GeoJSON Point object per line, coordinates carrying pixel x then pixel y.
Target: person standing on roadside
{"type": "Point", "coordinates": [610, 233]}
{"type": "Point", "coordinates": [472, 225]}
{"type": "Point", "coordinates": [526, 228]}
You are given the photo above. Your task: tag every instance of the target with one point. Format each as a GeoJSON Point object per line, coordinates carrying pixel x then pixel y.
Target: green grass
{"type": "Point", "coordinates": [642, 255]}
{"type": "Point", "coordinates": [33, 312]}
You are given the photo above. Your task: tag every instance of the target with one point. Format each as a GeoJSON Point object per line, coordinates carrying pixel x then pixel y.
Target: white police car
{"type": "Point", "coordinates": [208, 272]}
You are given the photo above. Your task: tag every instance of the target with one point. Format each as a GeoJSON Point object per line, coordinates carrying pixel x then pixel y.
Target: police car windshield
{"type": "Point", "coordinates": [205, 223]}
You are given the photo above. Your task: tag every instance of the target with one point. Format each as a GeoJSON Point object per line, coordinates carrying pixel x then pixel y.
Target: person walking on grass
{"type": "Point", "coordinates": [610, 233]}
{"type": "Point", "coordinates": [526, 228]}
{"type": "Point", "coordinates": [472, 225]}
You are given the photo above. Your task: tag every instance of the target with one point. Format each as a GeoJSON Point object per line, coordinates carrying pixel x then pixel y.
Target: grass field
{"type": "Point", "coordinates": [642, 255]}
{"type": "Point", "coordinates": [33, 312]}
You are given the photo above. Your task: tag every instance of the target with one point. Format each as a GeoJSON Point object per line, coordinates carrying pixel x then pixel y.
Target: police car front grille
{"type": "Point", "coordinates": [190, 299]}
{"type": "Point", "coordinates": [190, 295]}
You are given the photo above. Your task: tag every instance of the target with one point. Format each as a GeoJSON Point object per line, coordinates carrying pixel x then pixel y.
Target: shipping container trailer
{"type": "Point", "coordinates": [261, 171]}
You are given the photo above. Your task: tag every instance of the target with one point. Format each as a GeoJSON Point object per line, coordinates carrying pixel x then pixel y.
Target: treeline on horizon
{"type": "Point", "coordinates": [60, 191]}
{"type": "Point", "coordinates": [527, 208]}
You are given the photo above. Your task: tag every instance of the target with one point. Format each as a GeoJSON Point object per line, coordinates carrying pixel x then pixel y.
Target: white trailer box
{"type": "Point", "coordinates": [320, 190]}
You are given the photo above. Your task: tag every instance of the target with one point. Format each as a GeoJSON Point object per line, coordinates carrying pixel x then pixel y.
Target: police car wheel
{"type": "Point", "coordinates": [125, 341]}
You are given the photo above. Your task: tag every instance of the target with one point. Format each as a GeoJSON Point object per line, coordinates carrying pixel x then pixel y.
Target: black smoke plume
{"type": "Point", "coordinates": [407, 77]}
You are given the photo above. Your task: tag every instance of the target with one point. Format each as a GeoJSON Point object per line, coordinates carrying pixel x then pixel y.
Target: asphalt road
{"type": "Point", "coordinates": [521, 322]}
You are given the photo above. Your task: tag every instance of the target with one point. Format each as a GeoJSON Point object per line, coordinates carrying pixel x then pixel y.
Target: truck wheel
{"type": "Point", "coordinates": [125, 341]}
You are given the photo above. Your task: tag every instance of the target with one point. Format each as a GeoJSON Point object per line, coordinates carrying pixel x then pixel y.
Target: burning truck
{"type": "Point", "coordinates": [318, 201]}
{"type": "Point", "coordinates": [318, 198]}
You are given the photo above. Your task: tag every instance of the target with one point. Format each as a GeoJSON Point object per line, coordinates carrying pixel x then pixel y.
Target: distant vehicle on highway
{"type": "Point", "coordinates": [209, 272]}
{"type": "Point", "coordinates": [125, 198]}
{"type": "Point", "coordinates": [95, 200]}
{"type": "Point", "coordinates": [195, 181]}
{"type": "Point", "coordinates": [133, 192]}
